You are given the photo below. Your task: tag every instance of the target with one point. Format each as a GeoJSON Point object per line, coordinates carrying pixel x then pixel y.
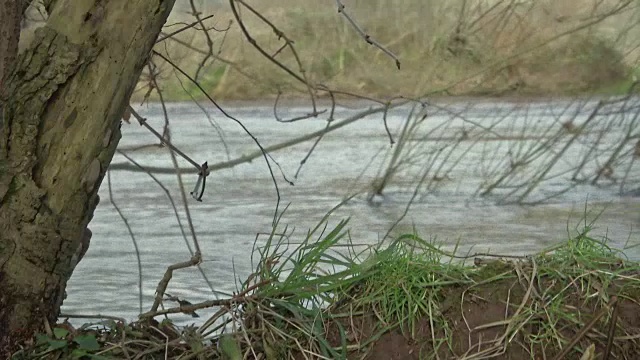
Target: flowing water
{"type": "Point", "coordinates": [239, 202]}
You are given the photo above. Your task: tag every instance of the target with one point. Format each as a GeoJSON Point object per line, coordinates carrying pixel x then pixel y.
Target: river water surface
{"type": "Point", "coordinates": [239, 202]}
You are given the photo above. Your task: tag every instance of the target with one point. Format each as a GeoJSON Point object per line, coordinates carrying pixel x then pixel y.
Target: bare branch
{"type": "Point", "coordinates": [143, 122]}
{"type": "Point", "coordinates": [364, 35]}
{"type": "Point", "coordinates": [255, 140]}
{"type": "Point", "coordinates": [131, 234]}
{"type": "Point", "coordinates": [173, 34]}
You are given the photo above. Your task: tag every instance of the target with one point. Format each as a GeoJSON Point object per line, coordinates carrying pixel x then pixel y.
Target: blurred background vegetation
{"type": "Point", "coordinates": [453, 47]}
{"type": "Point", "coordinates": [457, 47]}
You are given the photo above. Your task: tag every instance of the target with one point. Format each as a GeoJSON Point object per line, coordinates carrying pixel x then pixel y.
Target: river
{"type": "Point", "coordinates": [239, 202]}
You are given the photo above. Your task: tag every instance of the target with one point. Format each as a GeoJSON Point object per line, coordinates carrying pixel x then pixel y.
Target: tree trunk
{"type": "Point", "coordinates": [60, 110]}
{"type": "Point", "coordinates": [10, 18]}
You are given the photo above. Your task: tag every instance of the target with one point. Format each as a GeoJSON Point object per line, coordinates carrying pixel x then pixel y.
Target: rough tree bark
{"type": "Point", "coordinates": [10, 17]}
{"type": "Point", "coordinates": [60, 109]}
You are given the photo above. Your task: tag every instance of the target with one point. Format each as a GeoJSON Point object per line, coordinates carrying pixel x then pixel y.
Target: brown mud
{"type": "Point", "coordinates": [507, 319]}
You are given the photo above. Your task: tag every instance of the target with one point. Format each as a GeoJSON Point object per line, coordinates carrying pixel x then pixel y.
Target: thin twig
{"type": "Point", "coordinates": [281, 35]}
{"type": "Point", "coordinates": [131, 234]}
{"type": "Point", "coordinates": [250, 157]}
{"type": "Point", "coordinates": [175, 211]}
{"type": "Point", "coordinates": [364, 35]}
{"type": "Point", "coordinates": [143, 122]}
{"type": "Point", "coordinates": [586, 328]}
{"type": "Point", "coordinates": [244, 128]}
{"type": "Point", "coordinates": [92, 316]}
{"type": "Point", "coordinates": [612, 331]}
{"type": "Point", "coordinates": [164, 282]}
{"type": "Point", "coordinates": [172, 34]}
